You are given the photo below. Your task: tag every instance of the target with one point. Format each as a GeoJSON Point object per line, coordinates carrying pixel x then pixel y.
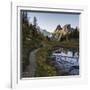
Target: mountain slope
{"type": "Point", "coordinates": [46, 33]}
{"type": "Point", "coordinates": [62, 32]}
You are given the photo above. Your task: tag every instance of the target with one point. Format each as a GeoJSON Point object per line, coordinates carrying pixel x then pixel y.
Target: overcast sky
{"type": "Point", "coordinates": [49, 21]}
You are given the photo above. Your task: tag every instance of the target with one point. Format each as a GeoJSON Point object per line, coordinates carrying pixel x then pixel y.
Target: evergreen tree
{"type": "Point", "coordinates": [35, 21]}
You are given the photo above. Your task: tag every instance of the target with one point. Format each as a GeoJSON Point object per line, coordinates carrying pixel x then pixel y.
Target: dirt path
{"type": "Point", "coordinates": [33, 65]}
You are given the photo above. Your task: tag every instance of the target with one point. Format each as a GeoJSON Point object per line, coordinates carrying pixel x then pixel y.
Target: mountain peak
{"type": "Point", "coordinates": [67, 27]}
{"type": "Point", "coordinates": [58, 28]}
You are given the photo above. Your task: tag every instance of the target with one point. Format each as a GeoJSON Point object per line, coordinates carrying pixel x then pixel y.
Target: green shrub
{"type": "Point", "coordinates": [43, 68]}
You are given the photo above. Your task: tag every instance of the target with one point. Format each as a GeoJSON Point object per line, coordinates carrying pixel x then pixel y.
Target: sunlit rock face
{"type": "Point", "coordinates": [67, 28]}
{"type": "Point", "coordinates": [63, 32]}
{"type": "Point", "coordinates": [60, 32]}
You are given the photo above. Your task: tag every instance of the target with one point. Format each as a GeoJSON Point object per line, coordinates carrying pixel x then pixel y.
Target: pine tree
{"type": "Point", "coordinates": [35, 21]}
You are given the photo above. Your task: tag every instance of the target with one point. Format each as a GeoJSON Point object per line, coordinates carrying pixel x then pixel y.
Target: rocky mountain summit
{"type": "Point", "coordinates": [60, 32]}
{"type": "Point", "coordinates": [66, 28]}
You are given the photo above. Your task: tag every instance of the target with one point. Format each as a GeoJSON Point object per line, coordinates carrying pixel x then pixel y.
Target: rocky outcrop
{"type": "Point", "coordinates": [58, 28]}
{"type": "Point", "coordinates": [60, 32]}
{"type": "Point", "coordinates": [67, 28]}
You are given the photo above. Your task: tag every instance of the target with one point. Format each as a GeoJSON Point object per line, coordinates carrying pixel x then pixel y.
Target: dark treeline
{"type": "Point", "coordinates": [31, 38]}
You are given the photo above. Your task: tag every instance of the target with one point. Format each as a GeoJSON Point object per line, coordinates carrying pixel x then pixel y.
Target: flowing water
{"type": "Point", "coordinates": [66, 60]}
